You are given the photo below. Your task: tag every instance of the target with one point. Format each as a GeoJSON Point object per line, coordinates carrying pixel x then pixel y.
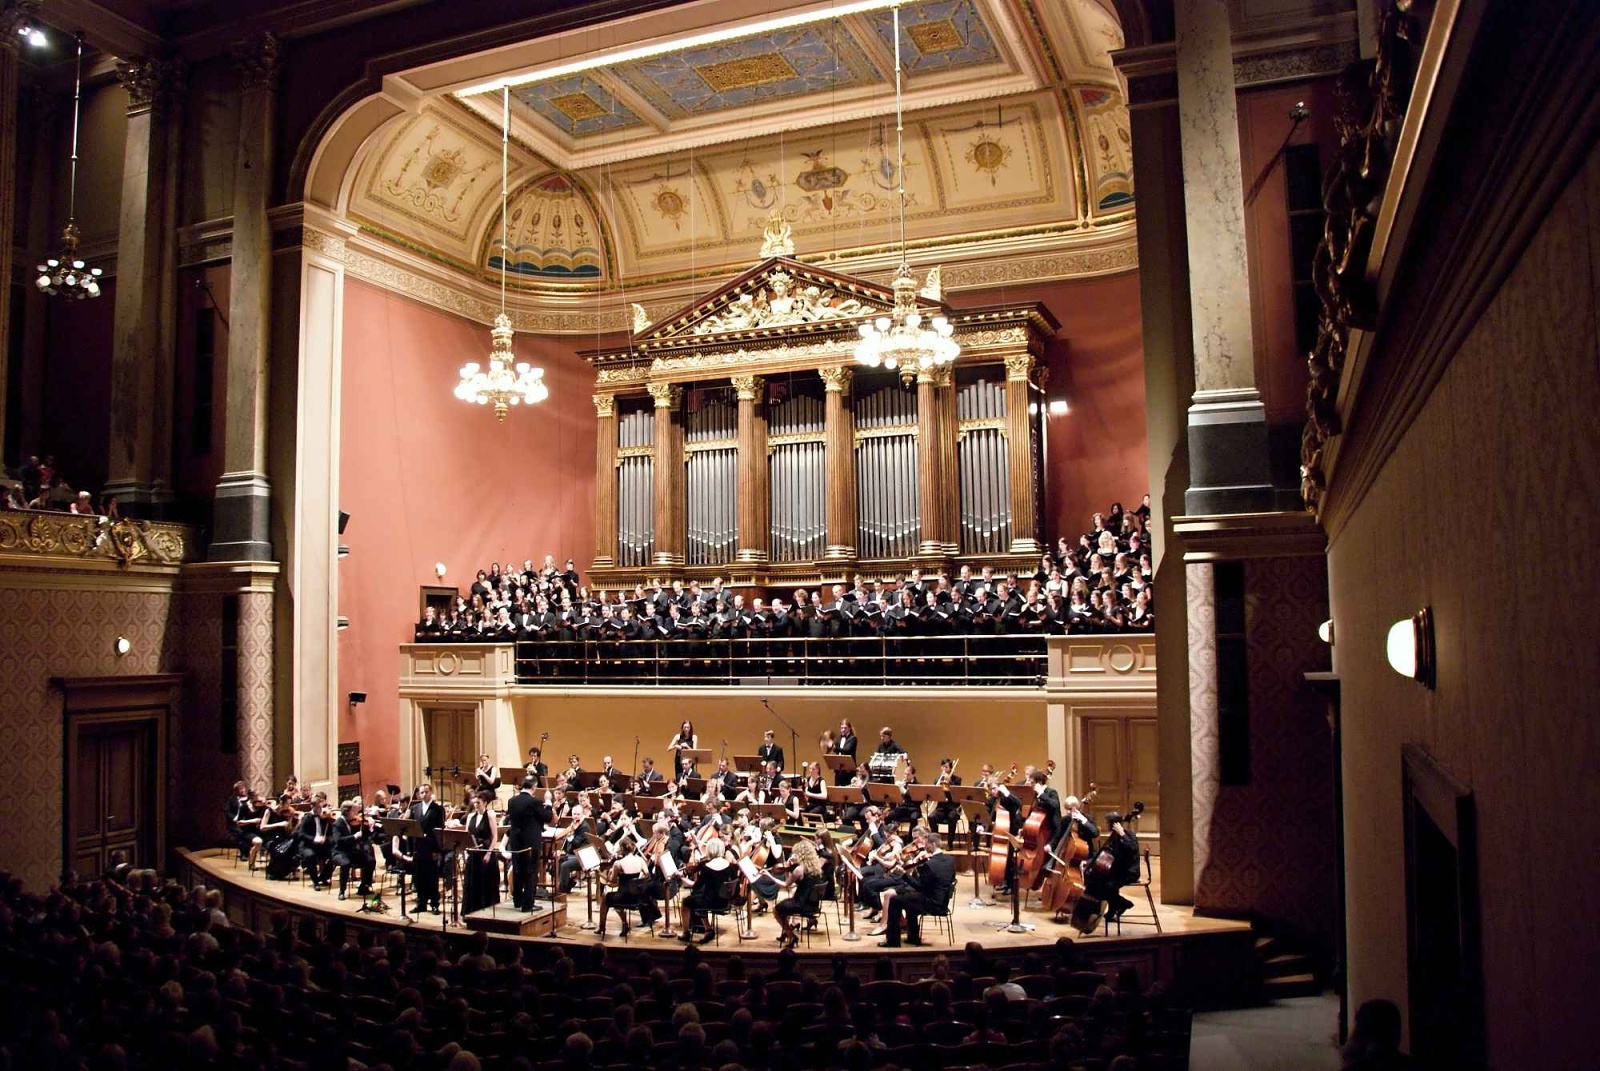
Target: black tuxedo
{"type": "Point", "coordinates": [425, 852]}
{"type": "Point", "coordinates": [314, 839]}
{"type": "Point", "coordinates": [845, 745]}
{"type": "Point", "coordinates": [526, 818]}
{"type": "Point", "coordinates": [927, 890]}
{"type": "Point", "coordinates": [770, 753]}
{"type": "Point", "coordinates": [352, 848]}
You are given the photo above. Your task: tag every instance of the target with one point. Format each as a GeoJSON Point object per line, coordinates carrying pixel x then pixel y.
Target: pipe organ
{"type": "Point", "coordinates": [636, 491]}
{"type": "Point", "coordinates": [738, 438]}
{"type": "Point", "coordinates": [711, 444]}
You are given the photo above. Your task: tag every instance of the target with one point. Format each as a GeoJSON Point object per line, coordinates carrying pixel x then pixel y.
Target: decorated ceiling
{"type": "Point", "coordinates": [667, 166]}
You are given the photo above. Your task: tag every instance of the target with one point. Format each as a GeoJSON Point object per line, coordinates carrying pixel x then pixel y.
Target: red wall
{"type": "Point", "coordinates": [1095, 453]}
{"type": "Point", "coordinates": [426, 478]}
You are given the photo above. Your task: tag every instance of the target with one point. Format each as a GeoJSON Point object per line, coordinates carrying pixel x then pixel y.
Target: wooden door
{"type": "Point", "coordinates": [451, 740]}
{"type": "Point", "coordinates": [112, 795]}
{"type": "Point", "coordinates": [1120, 757]}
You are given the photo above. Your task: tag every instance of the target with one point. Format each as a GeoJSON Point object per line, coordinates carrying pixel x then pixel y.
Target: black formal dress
{"type": "Point", "coordinates": [481, 883]}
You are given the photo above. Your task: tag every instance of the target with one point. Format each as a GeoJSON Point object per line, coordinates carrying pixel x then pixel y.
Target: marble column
{"type": "Point", "coordinates": [752, 494]}
{"type": "Point", "coordinates": [839, 425]}
{"type": "Point", "coordinates": [669, 511]}
{"type": "Point", "coordinates": [141, 369]}
{"type": "Point", "coordinates": [14, 14]}
{"type": "Point", "coordinates": [1227, 424]}
{"type": "Point", "coordinates": [944, 384]}
{"type": "Point", "coordinates": [1019, 456]}
{"type": "Point", "coordinates": [605, 480]}
{"type": "Point", "coordinates": [241, 513]}
{"type": "Point", "coordinates": [930, 478]}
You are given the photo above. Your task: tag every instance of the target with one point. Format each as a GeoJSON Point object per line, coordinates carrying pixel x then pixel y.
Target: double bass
{"type": "Point", "coordinates": [1063, 890]}
{"type": "Point", "coordinates": [1036, 842]}
{"type": "Point", "coordinates": [1000, 837]}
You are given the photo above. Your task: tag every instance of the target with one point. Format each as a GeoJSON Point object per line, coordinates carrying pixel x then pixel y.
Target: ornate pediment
{"type": "Point", "coordinates": [775, 297]}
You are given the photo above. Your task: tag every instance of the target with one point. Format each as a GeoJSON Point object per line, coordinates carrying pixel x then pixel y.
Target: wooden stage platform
{"type": "Point", "coordinates": [1187, 948]}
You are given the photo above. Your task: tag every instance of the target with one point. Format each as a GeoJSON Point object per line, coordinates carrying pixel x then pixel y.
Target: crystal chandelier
{"type": "Point", "coordinates": [507, 381]}
{"type": "Point", "coordinates": [65, 274]}
{"type": "Point", "coordinates": [904, 340]}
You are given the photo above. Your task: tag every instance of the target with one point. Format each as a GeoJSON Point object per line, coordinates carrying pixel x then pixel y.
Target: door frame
{"type": "Point", "coordinates": [147, 698]}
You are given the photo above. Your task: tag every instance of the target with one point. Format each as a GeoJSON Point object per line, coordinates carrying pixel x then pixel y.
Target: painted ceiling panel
{"type": "Point", "coordinates": [772, 66]}
{"type": "Point", "coordinates": [578, 106]}
{"type": "Point", "coordinates": [1109, 152]}
{"type": "Point", "coordinates": [943, 35]}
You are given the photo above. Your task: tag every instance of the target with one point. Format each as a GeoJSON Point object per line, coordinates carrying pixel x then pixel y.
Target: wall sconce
{"type": "Point", "coordinates": [1410, 647]}
{"type": "Point", "coordinates": [438, 570]}
{"type": "Point", "coordinates": [1325, 632]}
{"type": "Point", "coordinates": [1058, 407]}
{"type": "Point", "coordinates": [122, 646]}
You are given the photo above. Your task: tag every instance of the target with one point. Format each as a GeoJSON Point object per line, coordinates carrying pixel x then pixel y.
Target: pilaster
{"type": "Point", "coordinates": [751, 545]}
{"type": "Point", "coordinates": [669, 478]}
{"type": "Point", "coordinates": [1019, 456]}
{"type": "Point", "coordinates": [930, 477]}
{"type": "Point", "coordinates": [141, 367]}
{"type": "Point", "coordinates": [839, 425]}
{"type": "Point", "coordinates": [242, 510]}
{"type": "Point", "coordinates": [605, 480]}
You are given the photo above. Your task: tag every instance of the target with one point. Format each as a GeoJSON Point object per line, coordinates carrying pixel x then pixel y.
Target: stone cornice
{"type": "Point", "coordinates": [1292, 53]}
{"type": "Point", "coordinates": [1234, 537]}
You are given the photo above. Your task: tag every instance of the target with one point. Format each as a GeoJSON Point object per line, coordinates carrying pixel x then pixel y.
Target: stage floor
{"type": "Point", "coordinates": [250, 897]}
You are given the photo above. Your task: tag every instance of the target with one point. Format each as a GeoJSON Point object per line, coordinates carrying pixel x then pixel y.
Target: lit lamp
{"type": "Point", "coordinates": [1325, 632]}
{"type": "Point", "coordinates": [1410, 647]}
{"type": "Point", "coordinates": [66, 274]}
{"type": "Point", "coordinates": [122, 646]}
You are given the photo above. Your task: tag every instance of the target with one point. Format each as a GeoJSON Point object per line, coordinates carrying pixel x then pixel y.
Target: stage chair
{"type": "Point", "coordinates": [1152, 919]}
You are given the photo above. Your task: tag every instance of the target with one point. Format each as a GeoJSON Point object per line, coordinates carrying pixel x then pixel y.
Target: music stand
{"type": "Point", "coordinates": [408, 828]}
{"type": "Point", "coordinates": [453, 842]}
{"type": "Point", "coordinates": [773, 811]}
{"type": "Point", "coordinates": [1026, 794]}
{"type": "Point", "coordinates": [976, 812]}
{"type": "Point", "coordinates": [841, 765]}
{"type": "Point", "coordinates": [748, 764]}
{"type": "Point", "coordinates": [698, 755]}
{"type": "Point", "coordinates": [853, 879]}
{"type": "Point", "coordinates": [694, 786]}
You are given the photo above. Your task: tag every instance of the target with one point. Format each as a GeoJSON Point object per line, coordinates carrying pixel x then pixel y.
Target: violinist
{"type": "Point", "coordinates": [568, 841]}
{"type": "Point", "coordinates": [314, 837]}
{"type": "Point", "coordinates": [633, 892]}
{"type": "Point", "coordinates": [710, 889]}
{"type": "Point", "coordinates": [352, 848]}
{"type": "Point", "coordinates": [926, 890]}
{"type": "Point", "coordinates": [804, 872]}
{"type": "Point", "coordinates": [488, 778]}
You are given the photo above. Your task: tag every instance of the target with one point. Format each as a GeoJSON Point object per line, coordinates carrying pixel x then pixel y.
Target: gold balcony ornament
{"type": "Point", "coordinates": [507, 381]}
{"type": "Point", "coordinates": [905, 340]}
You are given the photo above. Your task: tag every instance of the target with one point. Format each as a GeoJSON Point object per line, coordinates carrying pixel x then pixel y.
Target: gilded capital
{"type": "Point", "coordinates": [605, 405]}
{"type": "Point", "coordinates": [667, 395]}
{"type": "Point", "coordinates": [151, 83]}
{"type": "Point", "coordinates": [748, 387]}
{"type": "Point", "coordinates": [1018, 365]}
{"type": "Point", "coordinates": [836, 380]}
{"type": "Point", "coordinates": [15, 16]}
{"type": "Point", "coordinates": [943, 376]}
{"type": "Point", "coordinates": [257, 60]}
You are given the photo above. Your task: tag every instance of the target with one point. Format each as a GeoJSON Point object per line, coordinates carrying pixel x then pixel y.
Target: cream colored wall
{"type": "Point", "coordinates": [975, 731]}
{"type": "Point", "coordinates": [1485, 510]}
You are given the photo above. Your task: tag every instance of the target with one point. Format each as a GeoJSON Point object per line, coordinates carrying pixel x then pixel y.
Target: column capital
{"type": "Point", "coordinates": [944, 375]}
{"type": "Point", "coordinates": [837, 380]}
{"type": "Point", "coordinates": [257, 60]}
{"type": "Point", "coordinates": [151, 83]}
{"type": "Point", "coordinates": [605, 405]}
{"type": "Point", "coordinates": [1019, 366]}
{"type": "Point", "coordinates": [748, 387]}
{"type": "Point", "coordinates": [667, 395]}
{"type": "Point", "coordinates": [16, 15]}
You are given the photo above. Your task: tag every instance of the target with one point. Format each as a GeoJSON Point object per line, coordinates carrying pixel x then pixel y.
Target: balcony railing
{"type": "Point", "coordinates": [935, 661]}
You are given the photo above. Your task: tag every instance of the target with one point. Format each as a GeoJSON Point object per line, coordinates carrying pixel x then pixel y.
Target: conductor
{"type": "Point", "coordinates": [525, 821]}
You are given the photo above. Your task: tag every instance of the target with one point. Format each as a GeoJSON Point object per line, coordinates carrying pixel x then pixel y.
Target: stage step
{"type": "Point", "coordinates": [1290, 985]}
{"type": "Point", "coordinates": [543, 921]}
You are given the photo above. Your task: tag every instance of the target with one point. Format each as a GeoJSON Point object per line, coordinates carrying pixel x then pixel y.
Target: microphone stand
{"type": "Point", "coordinates": [793, 754]}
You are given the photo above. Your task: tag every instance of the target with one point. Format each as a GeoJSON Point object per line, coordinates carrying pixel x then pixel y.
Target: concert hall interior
{"type": "Point", "coordinates": [1160, 430]}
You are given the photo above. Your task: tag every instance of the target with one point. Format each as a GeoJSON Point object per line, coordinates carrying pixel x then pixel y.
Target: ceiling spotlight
{"type": "Point", "coordinates": [1410, 649]}
{"type": "Point", "coordinates": [122, 646]}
